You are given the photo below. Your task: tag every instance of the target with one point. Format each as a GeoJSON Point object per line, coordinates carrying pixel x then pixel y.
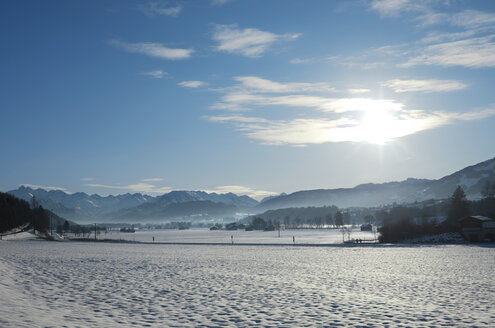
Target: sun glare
{"type": "Point", "coordinates": [377, 126]}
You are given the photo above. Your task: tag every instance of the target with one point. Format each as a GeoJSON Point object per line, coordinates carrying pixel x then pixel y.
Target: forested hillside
{"type": "Point", "coordinates": [15, 212]}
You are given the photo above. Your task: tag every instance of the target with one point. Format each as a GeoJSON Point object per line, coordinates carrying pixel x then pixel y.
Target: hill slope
{"type": "Point", "coordinates": [138, 207]}
{"type": "Point", "coordinates": [471, 178]}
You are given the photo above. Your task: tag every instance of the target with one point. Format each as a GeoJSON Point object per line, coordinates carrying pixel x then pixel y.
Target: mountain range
{"type": "Point", "coordinates": [471, 179]}
{"type": "Point", "coordinates": [81, 207]}
{"type": "Point", "coordinates": [193, 205]}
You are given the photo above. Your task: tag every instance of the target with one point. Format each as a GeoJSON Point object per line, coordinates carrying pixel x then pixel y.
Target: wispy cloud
{"type": "Point", "coordinates": [373, 58]}
{"type": "Point", "coordinates": [157, 74]}
{"type": "Point", "coordinates": [152, 180]}
{"type": "Point", "coordinates": [236, 118]}
{"type": "Point", "coordinates": [471, 47]}
{"type": "Point", "coordinates": [376, 127]}
{"type": "Point", "coordinates": [472, 52]}
{"type": "Point", "coordinates": [192, 84]}
{"type": "Point", "coordinates": [331, 119]}
{"type": "Point", "coordinates": [473, 19]}
{"type": "Point", "coordinates": [263, 85]}
{"type": "Point", "coordinates": [243, 190]}
{"type": "Point", "coordinates": [426, 86]}
{"type": "Point", "coordinates": [297, 61]}
{"type": "Point", "coordinates": [155, 8]}
{"type": "Point", "coordinates": [257, 91]}
{"type": "Point", "coordinates": [152, 49]}
{"type": "Point", "coordinates": [395, 7]}
{"type": "Point", "coordinates": [250, 42]}
{"type": "Point", "coordinates": [324, 104]}
{"type": "Point", "coordinates": [137, 187]}
{"type": "Point", "coordinates": [358, 91]}
{"type": "Point", "coordinates": [48, 188]}
{"type": "Point", "coordinates": [219, 2]}
{"type": "Point", "coordinates": [87, 179]}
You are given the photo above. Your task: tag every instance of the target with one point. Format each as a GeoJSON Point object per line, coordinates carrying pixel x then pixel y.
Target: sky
{"type": "Point", "coordinates": [252, 97]}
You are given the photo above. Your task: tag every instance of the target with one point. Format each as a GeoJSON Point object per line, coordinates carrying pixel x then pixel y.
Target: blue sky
{"type": "Point", "coordinates": [253, 97]}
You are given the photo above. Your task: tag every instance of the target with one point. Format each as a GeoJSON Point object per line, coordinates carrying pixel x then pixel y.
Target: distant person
{"type": "Point", "coordinates": [153, 238]}
{"type": "Point", "coordinates": [294, 239]}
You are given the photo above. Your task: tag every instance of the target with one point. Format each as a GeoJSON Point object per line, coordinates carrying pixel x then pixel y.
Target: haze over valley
{"type": "Point", "coordinates": [201, 206]}
{"type": "Point", "coordinates": [247, 163]}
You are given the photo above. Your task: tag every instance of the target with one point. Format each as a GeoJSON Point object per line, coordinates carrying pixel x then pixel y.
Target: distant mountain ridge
{"type": "Point", "coordinates": [179, 204]}
{"type": "Point", "coordinates": [471, 178]}
{"type": "Point", "coordinates": [83, 207]}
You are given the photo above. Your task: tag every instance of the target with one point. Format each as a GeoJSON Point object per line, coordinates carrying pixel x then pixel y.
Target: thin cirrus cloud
{"type": "Point", "coordinates": [473, 19]}
{"type": "Point", "coordinates": [157, 74]}
{"type": "Point", "coordinates": [219, 2]}
{"type": "Point", "coordinates": [323, 119]}
{"type": "Point", "coordinates": [263, 85]}
{"type": "Point", "coordinates": [141, 187]}
{"type": "Point", "coordinates": [472, 47]}
{"type": "Point", "coordinates": [243, 190]}
{"type": "Point", "coordinates": [472, 52]}
{"type": "Point", "coordinates": [152, 180]}
{"type": "Point", "coordinates": [253, 90]}
{"type": "Point", "coordinates": [324, 104]}
{"type": "Point", "coordinates": [192, 84]}
{"type": "Point", "coordinates": [152, 49]}
{"type": "Point", "coordinates": [48, 188]}
{"type": "Point", "coordinates": [425, 86]}
{"type": "Point", "coordinates": [395, 7]}
{"type": "Point", "coordinates": [470, 19]}
{"type": "Point", "coordinates": [376, 129]}
{"type": "Point", "coordinates": [159, 9]}
{"type": "Point", "coordinates": [358, 91]}
{"type": "Point", "coordinates": [249, 42]}
{"type": "Point", "coordinates": [297, 61]}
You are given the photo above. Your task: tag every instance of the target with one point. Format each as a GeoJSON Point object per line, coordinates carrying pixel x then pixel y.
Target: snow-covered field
{"type": "Point", "coordinates": [302, 236]}
{"type": "Point", "coordinates": [76, 284]}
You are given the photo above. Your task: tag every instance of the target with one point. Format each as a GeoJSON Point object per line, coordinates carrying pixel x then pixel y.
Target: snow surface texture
{"type": "Point", "coordinates": [302, 236]}
{"type": "Point", "coordinates": [142, 285]}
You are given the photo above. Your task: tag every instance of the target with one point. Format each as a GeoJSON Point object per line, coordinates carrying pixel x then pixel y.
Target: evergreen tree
{"type": "Point", "coordinates": [339, 219]}
{"type": "Point", "coordinates": [488, 190]}
{"type": "Point", "coordinates": [459, 206]}
{"type": "Point", "coordinates": [329, 220]}
{"type": "Point", "coordinates": [66, 226]}
{"type": "Point", "coordinates": [41, 219]}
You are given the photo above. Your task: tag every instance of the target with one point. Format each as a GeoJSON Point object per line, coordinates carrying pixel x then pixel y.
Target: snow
{"type": "Point", "coordinates": [444, 238]}
{"type": "Point", "coordinates": [302, 236]}
{"type": "Point", "coordinates": [77, 284]}
{"type": "Point", "coordinates": [468, 182]}
{"type": "Point", "coordinates": [26, 235]}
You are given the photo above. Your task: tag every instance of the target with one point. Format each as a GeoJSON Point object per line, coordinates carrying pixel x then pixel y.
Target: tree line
{"type": "Point", "coordinates": [401, 222]}
{"type": "Point", "coordinates": [15, 213]}
{"type": "Point", "coordinates": [302, 217]}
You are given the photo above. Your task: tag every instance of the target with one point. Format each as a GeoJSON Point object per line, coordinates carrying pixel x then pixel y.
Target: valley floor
{"type": "Point", "coordinates": [76, 284]}
{"type": "Point", "coordinates": [301, 236]}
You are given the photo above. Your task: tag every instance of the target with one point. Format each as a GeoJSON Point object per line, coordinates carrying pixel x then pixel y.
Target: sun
{"type": "Point", "coordinates": [378, 126]}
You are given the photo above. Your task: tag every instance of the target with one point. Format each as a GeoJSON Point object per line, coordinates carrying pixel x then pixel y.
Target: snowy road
{"type": "Point", "coordinates": [49, 284]}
